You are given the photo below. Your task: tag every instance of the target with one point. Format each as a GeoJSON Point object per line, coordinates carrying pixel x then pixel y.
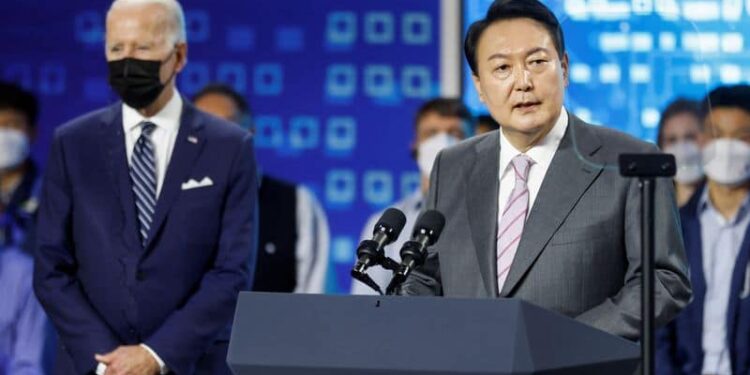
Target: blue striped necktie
{"type": "Point", "coordinates": [143, 177]}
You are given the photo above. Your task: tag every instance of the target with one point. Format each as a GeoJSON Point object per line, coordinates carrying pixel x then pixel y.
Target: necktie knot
{"type": "Point", "coordinates": [147, 128]}
{"type": "Point", "coordinates": [521, 165]}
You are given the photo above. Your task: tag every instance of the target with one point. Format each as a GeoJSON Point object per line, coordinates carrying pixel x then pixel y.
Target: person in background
{"type": "Point", "coordinates": [712, 334]}
{"type": "Point", "coordinates": [147, 209]}
{"type": "Point", "coordinates": [19, 177]}
{"type": "Point", "coordinates": [293, 236]}
{"type": "Point", "coordinates": [486, 124]}
{"type": "Point", "coordinates": [680, 133]}
{"type": "Point", "coordinates": [24, 330]}
{"type": "Point", "coordinates": [439, 123]}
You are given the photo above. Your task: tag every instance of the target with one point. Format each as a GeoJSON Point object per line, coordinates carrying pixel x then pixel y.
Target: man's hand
{"type": "Point", "coordinates": [129, 360]}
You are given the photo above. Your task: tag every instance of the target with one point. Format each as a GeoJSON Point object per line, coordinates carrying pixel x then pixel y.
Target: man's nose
{"type": "Point", "coordinates": [522, 80]}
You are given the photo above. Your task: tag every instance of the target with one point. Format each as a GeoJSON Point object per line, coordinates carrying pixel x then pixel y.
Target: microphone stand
{"type": "Point", "coordinates": [381, 260]}
{"type": "Point", "coordinates": [367, 280]}
{"type": "Point", "coordinates": [396, 281]}
{"type": "Point", "coordinates": [410, 249]}
{"type": "Point", "coordinates": [647, 167]}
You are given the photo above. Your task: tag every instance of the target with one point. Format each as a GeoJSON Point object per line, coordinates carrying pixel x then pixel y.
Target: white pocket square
{"type": "Point", "coordinates": [193, 184]}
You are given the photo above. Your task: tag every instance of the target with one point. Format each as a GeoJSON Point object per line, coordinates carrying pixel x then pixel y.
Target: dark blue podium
{"type": "Point", "coordinates": [288, 334]}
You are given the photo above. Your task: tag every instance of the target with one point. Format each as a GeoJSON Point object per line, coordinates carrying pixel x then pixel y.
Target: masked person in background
{"type": "Point", "coordinates": [148, 210]}
{"type": "Point", "coordinates": [712, 334]}
{"type": "Point", "coordinates": [18, 173]}
{"type": "Point", "coordinates": [681, 134]}
{"type": "Point", "coordinates": [439, 123]}
{"type": "Point", "coordinates": [23, 325]}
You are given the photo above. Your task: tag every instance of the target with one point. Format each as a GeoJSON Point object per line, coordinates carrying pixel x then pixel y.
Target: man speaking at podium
{"type": "Point", "coordinates": [538, 210]}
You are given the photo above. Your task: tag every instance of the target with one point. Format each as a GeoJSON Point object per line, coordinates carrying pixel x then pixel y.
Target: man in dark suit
{"type": "Point", "coordinates": [538, 210]}
{"type": "Point", "coordinates": [147, 212]}
{"type": "Point", "coordinates": [712, 335]}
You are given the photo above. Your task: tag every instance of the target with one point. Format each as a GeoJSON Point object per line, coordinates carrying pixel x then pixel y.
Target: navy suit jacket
{"type": "Point", "coordinates": [100, 286]}
{"type": "Point", "coordinates": [680, 343]}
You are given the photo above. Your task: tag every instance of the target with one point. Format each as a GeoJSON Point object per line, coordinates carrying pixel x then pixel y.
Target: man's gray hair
{"type": "Point", "coordinates": [179, 35]}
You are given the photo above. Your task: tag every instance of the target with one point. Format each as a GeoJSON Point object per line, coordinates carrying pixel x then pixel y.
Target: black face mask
{"type": "Point", "coordinates": [136, 81]}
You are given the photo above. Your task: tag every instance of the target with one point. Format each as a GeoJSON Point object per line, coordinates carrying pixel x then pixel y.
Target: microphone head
{"type": "Point", "coordinates": [391, 223]}
{"type": "Point", "coordinates": [430, 223]}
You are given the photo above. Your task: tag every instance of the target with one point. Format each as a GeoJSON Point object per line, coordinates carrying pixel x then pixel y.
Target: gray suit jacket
{"type": "Point", "coordinates": [580, 250]}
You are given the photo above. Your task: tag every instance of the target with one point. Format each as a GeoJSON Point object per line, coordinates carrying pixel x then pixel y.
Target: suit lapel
{"type": "Point", "coordinates": [481, 202]}
{"type": "Point", "coordinates": [187, 147]}
{"type": "Point", "coordinates": [736, 290]}
{"type": "Point", "coordinates": [568, 177]}
{"type": "Point", "coordinates": [113, 147]}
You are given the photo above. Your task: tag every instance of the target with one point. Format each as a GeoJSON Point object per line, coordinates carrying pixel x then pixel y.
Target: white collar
{"type": "Point", "coordinates": [168, 118]}
{"type": "Point", "coordinates": [704, 203]}
{"type": "Point", "coordinates": [542, 152]}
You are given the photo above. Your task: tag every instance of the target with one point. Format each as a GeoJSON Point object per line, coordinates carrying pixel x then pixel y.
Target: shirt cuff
{"type": "Point", "coordinates": [163, 370]}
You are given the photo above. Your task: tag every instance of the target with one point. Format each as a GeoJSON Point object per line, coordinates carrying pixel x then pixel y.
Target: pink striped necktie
{"type": "Point", "coordinates": [512, 219]}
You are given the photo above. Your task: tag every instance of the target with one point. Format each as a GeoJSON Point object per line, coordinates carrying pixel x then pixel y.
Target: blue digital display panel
{"type": "Point", "coordinates": [630, 58]}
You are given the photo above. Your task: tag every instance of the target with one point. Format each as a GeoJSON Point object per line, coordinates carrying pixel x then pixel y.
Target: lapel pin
{"type": "Point", "coordinates": [192, 139]}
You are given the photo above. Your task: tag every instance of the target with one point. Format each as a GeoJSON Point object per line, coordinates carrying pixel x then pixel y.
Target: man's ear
{"type": "Point", "coordinates": [181, 50]}
{"type": "Point", "coordinates": [478, 87]}
{"type": "Point", "coordinates": [565, 65]}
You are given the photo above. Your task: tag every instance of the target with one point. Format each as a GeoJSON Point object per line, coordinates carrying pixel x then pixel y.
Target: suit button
{"type": "Point", "coordinates": [140, 275]}
{"type": "Point", "coordinates": [270, 248]}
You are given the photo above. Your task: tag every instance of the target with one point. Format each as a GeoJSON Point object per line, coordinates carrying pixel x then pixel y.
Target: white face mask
{"type": "Point", "coordinates": [727, 161]}
{"type": "Point", "coordinates": [14, 148]}
{"type": "Point", "coordinates": [430, 147]}
{"type": "Point", "coordinates": [689, 160]}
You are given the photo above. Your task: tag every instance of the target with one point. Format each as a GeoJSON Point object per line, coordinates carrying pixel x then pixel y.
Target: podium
{"type": "Point", "coordinates": [288, 334]}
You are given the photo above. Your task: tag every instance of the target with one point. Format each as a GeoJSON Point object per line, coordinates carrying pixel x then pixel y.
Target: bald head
{"type": "Point", "coordinates": [167, 14]}
{"type": "Point", "coordinates": [147, 30]}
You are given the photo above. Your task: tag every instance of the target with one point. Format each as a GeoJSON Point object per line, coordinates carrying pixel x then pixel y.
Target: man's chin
{"type": "Point", "coordinates": [528, 125]}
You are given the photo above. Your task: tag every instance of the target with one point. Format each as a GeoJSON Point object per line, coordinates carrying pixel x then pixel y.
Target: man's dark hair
{"type": "Point", "coordinates": [225, 90]}
{"type": "Point", "coordinates": [677, 107]}
{"type": "Point", "coordinates": [727, 97]}
{"type": "Point", "coordinates": [14, 97]}
{"type": "Point", "coordinates": [488, 121]}
{"type": "Point", "coordinates": [512, 9]}
{"type": "Point", "coordinates": [446, 107]}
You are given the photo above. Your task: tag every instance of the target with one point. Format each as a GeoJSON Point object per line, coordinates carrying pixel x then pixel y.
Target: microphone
{"type": "Point", "coordinates": [413, 253]}
{"type": "Point", "coordinates": [387, 230]}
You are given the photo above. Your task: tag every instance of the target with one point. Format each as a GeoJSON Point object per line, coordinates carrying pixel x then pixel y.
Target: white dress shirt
{"type": "Point", "coordinates": [721, 242]}
{"type": "Point", "coordinates": [167, 123]}
{"type": "Point", "coordinates": [411, 206]}
{"type": "Point", "coordinates": [312, 243]}
{"type": "Point", "coordinates": [541, 153]}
